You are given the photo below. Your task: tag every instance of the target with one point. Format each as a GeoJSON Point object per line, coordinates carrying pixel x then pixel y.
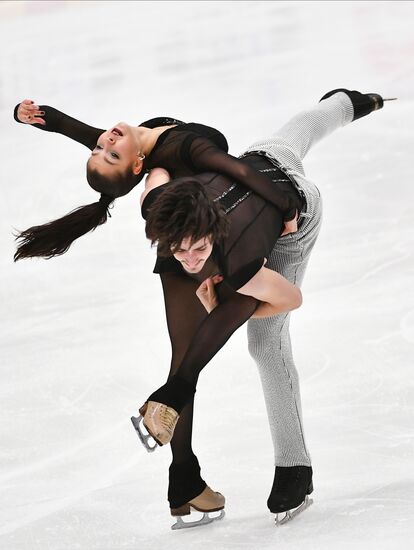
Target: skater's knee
{"type": "Point", "coordinates": [254, 350]}
{"type": "Point", "coordinates": [261, 345]}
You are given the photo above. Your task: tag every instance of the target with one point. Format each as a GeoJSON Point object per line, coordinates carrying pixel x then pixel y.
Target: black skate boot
{"type": "Point", "coordinates": [188, 491]}
{"type": "Point", "coordinates": [289, 494]}
{"type": "Point", "coordinates": [363, 103]}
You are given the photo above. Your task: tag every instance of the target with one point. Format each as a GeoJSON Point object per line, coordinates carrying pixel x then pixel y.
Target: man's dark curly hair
{"type": "Point", "coordinates": [184, 210]}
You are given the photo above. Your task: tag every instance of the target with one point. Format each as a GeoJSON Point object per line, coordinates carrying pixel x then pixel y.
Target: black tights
{"type": "Point", "coordinates": [184, 313]}
{"type": "Point", "coordinates": [196, 336]}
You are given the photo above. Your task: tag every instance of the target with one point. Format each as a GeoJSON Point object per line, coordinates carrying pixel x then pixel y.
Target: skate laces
{"type": "Point", "coordinates": [167, 417]}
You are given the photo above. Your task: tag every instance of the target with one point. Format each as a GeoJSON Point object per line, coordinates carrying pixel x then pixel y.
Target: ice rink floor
{"type": "Point", "coordinates": [83, 336]}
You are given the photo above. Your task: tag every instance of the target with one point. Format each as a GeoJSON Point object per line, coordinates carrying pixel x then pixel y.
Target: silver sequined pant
{"type": "Point", "coordinates": [269, 338]}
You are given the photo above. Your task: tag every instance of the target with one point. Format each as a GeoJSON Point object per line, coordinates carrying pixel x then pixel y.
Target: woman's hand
{"type": "Point", "coordinates": [206, 292]}
{"type": "Point", "coordinates": [291, 226]}
{"type": "Point", "coordinates": [29, 113]}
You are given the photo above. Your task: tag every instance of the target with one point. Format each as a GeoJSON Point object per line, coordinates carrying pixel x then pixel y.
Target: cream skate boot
{"type": "Point", "coordinates": [160, 421]}
{"type": "Point", "coordinates": [206, 502]}
{"type": "Point", "coordinates": [161, 411]}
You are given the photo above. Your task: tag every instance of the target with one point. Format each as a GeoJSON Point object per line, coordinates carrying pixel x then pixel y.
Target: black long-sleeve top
{"type": "Point", "coordinates": [184, 150]}
{"type": "Point", "coordinates": [254, 226]}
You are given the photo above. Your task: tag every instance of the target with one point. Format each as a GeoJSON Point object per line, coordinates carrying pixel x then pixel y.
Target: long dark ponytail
{"type": "Point", "coordinates": [55, 238]}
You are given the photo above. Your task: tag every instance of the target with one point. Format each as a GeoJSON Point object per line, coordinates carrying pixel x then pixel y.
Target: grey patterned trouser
{"type": "Point", "coordinates": [269, 338]}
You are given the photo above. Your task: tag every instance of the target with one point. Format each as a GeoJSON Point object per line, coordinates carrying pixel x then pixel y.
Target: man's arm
{"type": "Point", "coordinates": [276, 294]}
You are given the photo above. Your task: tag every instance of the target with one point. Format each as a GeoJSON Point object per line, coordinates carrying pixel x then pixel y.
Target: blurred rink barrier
{"type": "Point", "coordinates": [9, 9]}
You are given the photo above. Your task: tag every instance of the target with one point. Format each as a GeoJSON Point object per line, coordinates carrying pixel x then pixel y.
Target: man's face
{"type": "Point", "coordinates": [193, 256]}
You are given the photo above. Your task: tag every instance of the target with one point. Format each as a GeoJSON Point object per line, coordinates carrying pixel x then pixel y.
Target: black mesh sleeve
{"type": "Point", "coordinates": [195, 335]}
{"type": "Point", "coordinates": [58, 122]}
{"type": "Point", "coordinates": [204, 156]}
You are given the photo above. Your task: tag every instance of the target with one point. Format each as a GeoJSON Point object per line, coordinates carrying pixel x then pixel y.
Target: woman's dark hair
{"type": "Point", "coordinates": [54, 238]}
{"type": "Point", "coordinates": [184, 210]}
{"type": "Point", "coordinates": [116, 186]}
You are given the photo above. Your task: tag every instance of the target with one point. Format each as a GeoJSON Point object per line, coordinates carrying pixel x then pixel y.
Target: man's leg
{"type": "Point", "coordinates": [270, 345]}
{"type": "Point", "coordinates": [269, 339]}
{"type": "Point", "coordinates": [292, 142]}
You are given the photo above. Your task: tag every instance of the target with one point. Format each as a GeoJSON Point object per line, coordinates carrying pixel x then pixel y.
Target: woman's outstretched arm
{"type": "Point", "coordinates": [51, 120]}
{"type": "Point", "coordinates": [204, 156]}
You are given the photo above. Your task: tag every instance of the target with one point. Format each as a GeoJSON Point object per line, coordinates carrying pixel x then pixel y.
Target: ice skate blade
{"type": "Point", "coordinates": [290, 514]}
{"type": "Point", "coordinates": [205, 520]}
{"type": "Point", "coordinates": [144, 438]}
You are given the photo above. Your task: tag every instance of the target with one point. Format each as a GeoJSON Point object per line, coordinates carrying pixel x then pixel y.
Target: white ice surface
{"type": "Point", "coordinates": [83, 337]}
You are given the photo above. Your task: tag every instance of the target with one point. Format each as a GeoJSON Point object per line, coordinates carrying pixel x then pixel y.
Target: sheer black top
{"type": "Point", "coordinates": [255, 224]}
{"type": "Point", "coordinates": [184, 150]}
